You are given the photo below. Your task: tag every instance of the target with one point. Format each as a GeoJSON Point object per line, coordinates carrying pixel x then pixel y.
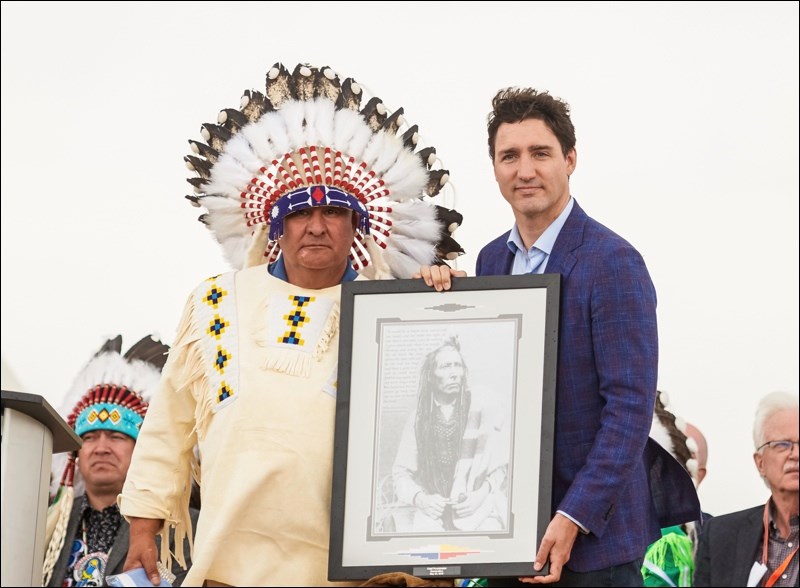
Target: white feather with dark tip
{"type": "Point", "coordinates": [229, 177]}
{"type": "Point", "coordinates": [294, 115]}
{"type": "Point", "coordinates": [381, 153]}
{"type": "Point", "coordinates": [422, 252]}
{"type": "Point", "coordinates": [278, 85]}
{"type": "Point", "coordinates": [415, 219]}
{"type": "Point", "coordinates": [351, 135]}
{"type": "Point", "coordinates": [303, 82]}
{"type": "Point", "coordinates": [406, 177]}
{"type": "Point", "coordinates": [259, 140]}
{"type": "Point", "coordinates": [242, 152]}
{"type": "Point", "coordinates": [326, 84]}
{"type": "Point", "coordinates": [401, 264]}
{"type": "Point", "coordinates": [226, 217]}
{"type": "Point", "coordinates": [274, 128]}
{"type": "Point", "coordinates": [322, 120]}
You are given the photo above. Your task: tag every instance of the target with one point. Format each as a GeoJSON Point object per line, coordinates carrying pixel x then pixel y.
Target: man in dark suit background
{"type": "Point", "coordinates": [758, 546]}
{"type": "Point", "coordinates": [613, 488]}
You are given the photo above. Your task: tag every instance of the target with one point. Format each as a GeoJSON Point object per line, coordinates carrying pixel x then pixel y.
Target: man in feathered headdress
{"type": "Point", "coordinates": [88, 538]}
{"type": "Point", "coordinates": [304, 189]}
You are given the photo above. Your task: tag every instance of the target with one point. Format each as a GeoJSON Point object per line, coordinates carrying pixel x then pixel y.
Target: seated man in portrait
{"type": "Point", "coordinates": [452, 460]}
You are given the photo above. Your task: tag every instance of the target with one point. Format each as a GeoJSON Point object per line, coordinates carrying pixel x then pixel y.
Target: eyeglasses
{"type": "Point", "coordinates": [779, 446]}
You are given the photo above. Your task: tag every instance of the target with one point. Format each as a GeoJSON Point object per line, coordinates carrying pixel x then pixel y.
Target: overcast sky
{"type": "Point", "coordinates": [687, 124]}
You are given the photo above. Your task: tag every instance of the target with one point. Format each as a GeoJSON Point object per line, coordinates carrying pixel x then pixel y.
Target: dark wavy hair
{"type": "Point", "coordinates": [513, 105]}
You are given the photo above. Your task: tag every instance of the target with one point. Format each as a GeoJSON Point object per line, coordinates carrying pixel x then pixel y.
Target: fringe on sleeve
{"type": "Point", "coordinates": [190, 381]}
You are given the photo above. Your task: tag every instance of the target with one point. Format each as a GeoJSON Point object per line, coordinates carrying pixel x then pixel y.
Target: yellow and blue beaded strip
{"type": "Point", "coordinates": [216, 312]}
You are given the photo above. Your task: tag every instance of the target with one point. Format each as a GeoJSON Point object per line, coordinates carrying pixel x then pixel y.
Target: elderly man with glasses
{"type": "Point", "coordinates": [758, 546]}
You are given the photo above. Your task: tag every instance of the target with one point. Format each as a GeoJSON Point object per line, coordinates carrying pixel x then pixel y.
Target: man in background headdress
{"type": "Point", "coordinates": [88, 538]}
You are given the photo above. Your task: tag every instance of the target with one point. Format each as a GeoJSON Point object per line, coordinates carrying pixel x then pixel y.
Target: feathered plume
{"type": "Point", "coordinates": [150, 351]}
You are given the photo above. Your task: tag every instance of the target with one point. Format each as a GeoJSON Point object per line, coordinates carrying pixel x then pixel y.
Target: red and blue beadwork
{"type": "Point", "coordinates": [316, 195]}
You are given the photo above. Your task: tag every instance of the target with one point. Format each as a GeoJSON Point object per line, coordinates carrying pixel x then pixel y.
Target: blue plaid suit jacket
{"type": "Point", "coordinates": [607, 473]}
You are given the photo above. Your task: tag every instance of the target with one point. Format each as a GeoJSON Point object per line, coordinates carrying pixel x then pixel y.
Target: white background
{"type": "Point", "coordinates": [687, 123]}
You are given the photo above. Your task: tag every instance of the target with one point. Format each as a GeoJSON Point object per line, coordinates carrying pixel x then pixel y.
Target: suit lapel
{"type": "Point", "coordinates": [749, 537]}
{"type": "Point", "coordinates": [60, 569]}
{"type": "Point", "coordinates": [563, 257]}
{"type": "Point", "coordinates": [116, 559]}
{"type": "Point", "coordinates": [119, 551]}
{"type": "Point", "coordinates": [502, 260]}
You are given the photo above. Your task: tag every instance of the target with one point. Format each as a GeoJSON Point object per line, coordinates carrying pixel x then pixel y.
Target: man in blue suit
{"type": "Point", "coordinates": [613, 488]}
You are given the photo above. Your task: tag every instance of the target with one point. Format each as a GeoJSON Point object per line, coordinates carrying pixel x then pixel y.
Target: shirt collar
{"type": "Point", "coordinates": [547, 239]}
{"type": "Point", "coordinates": [794, 521]}
{"type": "Point", "coordinates": [107, 511]}
{"type": "Point", "coordinates": [277, 269]}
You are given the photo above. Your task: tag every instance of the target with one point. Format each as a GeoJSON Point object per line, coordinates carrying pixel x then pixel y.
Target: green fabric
{"type": "Point", "coordinates": [672, 554]}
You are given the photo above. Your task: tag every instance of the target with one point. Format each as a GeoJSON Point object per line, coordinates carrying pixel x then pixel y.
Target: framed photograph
{"type": "Point", "coordinates": [444, 427]}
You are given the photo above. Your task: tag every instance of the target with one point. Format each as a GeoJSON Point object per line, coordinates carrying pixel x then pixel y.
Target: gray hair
{"type": "Point", "coordinates": [768, 406]}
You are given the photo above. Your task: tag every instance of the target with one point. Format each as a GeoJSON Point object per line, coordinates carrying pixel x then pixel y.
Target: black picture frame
{"type": "Point", "coordinates": [506, 332]}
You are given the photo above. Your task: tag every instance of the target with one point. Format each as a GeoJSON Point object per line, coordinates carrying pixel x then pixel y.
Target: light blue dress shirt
{"type": "Point", "coordinates": [534, 260]}
{"type": "Point", "coordinates": [277, 269]}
